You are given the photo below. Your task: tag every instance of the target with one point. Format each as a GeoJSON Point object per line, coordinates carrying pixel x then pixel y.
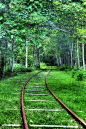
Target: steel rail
{"type": "Point", "coordinates": [68, 109]}
{"type": "Point", "coordinates": [25, 124]}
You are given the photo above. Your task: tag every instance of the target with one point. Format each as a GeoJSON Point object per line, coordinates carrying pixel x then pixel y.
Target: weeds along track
{"type": "Point", "coordinates": [41, 110]}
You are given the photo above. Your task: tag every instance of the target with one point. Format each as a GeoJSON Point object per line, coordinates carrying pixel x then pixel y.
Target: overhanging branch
{"type": "Point", "coordinates": [69, 32]}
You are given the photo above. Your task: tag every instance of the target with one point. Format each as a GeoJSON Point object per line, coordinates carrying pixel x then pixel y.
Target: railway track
{"type": "Point", "coordinates": [40, 107]}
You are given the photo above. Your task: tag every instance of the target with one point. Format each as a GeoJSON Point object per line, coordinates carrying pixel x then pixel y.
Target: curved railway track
{"type": "Point", "coordinates": [37, 98]}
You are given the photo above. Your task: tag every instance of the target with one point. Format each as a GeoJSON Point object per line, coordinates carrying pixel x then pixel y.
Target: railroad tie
{"type": "Point", "coordinates": [34, 90]}
{"type": "Point", "coordinates": [51, 110]}
{"type": "Point", "coordinates": [11, 109]}
{"type": "Point", "coordinates": [30, 89]}
{"type": "Point", "coordinates": [54, 126]}
{"type": "Point", "coordinates": [20, 85]}
{"type": "Point", "coordinates": [39, 101]}
{"type": "Point", "coordinates": [16, 93]}
{"type": "Point", "coordinates": [35, 83]}
{"type": "Point", "coordinates": [17, 89]}
{"type": "Point", "coordinates": [11, 125]}
{"type": "Point", "coordinates": [38, 86]}
{"type": "Point", "coordinates": [37, 94]}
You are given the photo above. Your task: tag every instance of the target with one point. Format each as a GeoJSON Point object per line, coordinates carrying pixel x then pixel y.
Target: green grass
{"type": "Point", "coordinates": [70, 91]}
{"type": "Point", "coordinates": [10, 112]}
{"type": "Point", "coordinates": [42, 117]}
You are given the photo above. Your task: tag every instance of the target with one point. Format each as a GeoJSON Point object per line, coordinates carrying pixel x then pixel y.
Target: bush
{"type": "Point", "coordinates": [21, 59]}
{"type": "Point", "coordinates": [30, 69]}
{"type": "Point", "coordinates": [43, 65]}
{"type": "Point", "coordinates": [84, 74]}
{"type": "Point", "coordinates": [74, 71]}
{"type": "Point", "coordinates": [78, 74]}
{"type": "Point", "coordinates": [21, 68]}
{"type": "Point", "coordinates": [18, 68]}
{"type": "Point", "coordinates": [64, 68]}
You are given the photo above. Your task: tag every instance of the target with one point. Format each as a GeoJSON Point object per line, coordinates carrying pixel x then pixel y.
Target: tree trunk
{"type": "Point", "coordinates": [12, 56]}
{"type": "Point", "coordinates": [10, 63]}
{"type": "Point", "coordinates": [2, 60]}
{"type": "Point", "coordinates": [37, 57]}
{"type": "Point", "coordinates": [78, 54]}
{"type": "Point", "coordinates": [60, 62]}
{"type": "Point", "coordinates": [33, 53]}
{"type": "Point", "coordinates": [83, 60]}
{"type": "Point", "coordinates": [68, 59]}
{"type": "Point", "coordinates": [71, 54]}
{"type": "Point", "coordinates": [26, 54]}
{"type": "Point", "coordinates": [1, 64]}
{"type": "Point", "coordinates": [6, 54]}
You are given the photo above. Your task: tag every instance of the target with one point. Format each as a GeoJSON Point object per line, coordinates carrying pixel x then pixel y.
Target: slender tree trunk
{"type": "Point", "coordinates": [10, 63]}
{"type": "Point", "coordinates": [2, 65]}
{"type": "Point", "coordinates": [12, 56]}
{"type": "Point", "coordinates": [60, 62]}
{"type": "Point", "coordinates": [83, 60]}
{"type": "Point", "coordinates": [78, 54]}
{"type": "Point", "coordinates": [2, 61]}
{"type": "Point", "coordinates": [68, 59]}
{"type": "Point", "coordinates": [71, 54]}
{"type": "Point", "coordinates": [26, 54]}
{"type": "Point", "coordinates": [37, 57]}
{"type": "Point", "coordinates": [6, 54]}
{"type": "Point", "coordinates": [33, 52]}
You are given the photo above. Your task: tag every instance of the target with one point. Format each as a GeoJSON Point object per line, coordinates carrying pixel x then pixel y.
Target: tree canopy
{"type": "Point", "coordinates": [50, 31]}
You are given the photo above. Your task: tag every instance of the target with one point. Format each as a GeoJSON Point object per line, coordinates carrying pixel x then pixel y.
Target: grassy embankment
{"type": "Point", "coordinates": [69, 90]}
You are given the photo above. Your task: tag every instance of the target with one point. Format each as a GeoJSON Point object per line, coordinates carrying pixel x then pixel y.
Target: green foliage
{"type": "Point", "coordinates": [21, 68]}
{"type": "Point", "coordinates": [64, 67]}
{"type": "Point", "coordinates": [79, 75]}
{"type": "Point", "coordinates": [43, 65]}
{"type": "Point", "coordinates": [18, 68]}
{"type": "Point", "coordinates": [21, 19]}
{"type": "Point", "coordinates": [21, 58]}
{"type": "Point", "coordinates": [2, 6]}
{"type": "Point", "coordinates": [74, 70]}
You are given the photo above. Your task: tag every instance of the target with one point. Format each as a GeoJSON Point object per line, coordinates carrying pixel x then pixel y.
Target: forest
{"type": "Point", "coordinates": [48, 32]}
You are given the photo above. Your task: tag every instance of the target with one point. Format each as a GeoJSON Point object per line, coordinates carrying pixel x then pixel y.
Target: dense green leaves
{"type": "Point", "coordinates": [45, 24]}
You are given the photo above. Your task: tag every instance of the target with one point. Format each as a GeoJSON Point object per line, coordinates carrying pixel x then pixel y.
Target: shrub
{"type": "Point", "coordinates": [30, 69]}
{"type": "Point", "coordinates": [79, 75]}
{"type": "Point", "coordinates": [64, 68]}
{"type": "Point", "coordinates": [43, 65]}
{"type": "Point", "coordinates": [18, 68]}
{"type": "Point", "coordinates": [84, 74]}
{"type": "Point", "coordinates": [74, 71]}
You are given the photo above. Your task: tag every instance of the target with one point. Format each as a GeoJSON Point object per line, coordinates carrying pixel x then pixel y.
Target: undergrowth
{"type": "Point", "coordinates": [78, 74]}
{"type": "Point", "coordinates": [18, 68]}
